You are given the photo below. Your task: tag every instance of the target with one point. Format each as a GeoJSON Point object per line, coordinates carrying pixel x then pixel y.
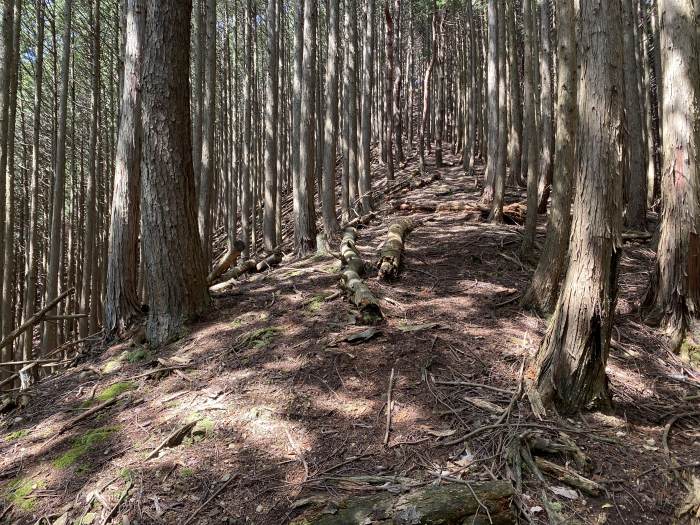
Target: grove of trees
{"type": "Point", "coordinates": [137, 137]}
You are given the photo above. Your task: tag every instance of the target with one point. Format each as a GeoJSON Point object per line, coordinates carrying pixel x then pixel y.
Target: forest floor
{"type": "Point", "coordinates": [288, 405]}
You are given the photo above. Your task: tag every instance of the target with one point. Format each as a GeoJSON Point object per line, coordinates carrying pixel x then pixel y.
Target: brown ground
{"type": "Point", "coordinates": [292, 412]}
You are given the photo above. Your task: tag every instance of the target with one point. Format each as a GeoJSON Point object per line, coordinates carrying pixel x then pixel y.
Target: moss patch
{"type": "Point", "coordinates": [139, 354]}
{"type": "Point", "coordinates": [258, 339]}
{"type": "Point", "coordinates": [19, 492]}
{"type": "Point", "coordinates": [82, 445]}
{"type": "Point", "coordinates": [18, 434]}
{"type": "Point", "coordinates": [690, 352]}
{"type": "Point", "coordinates": [315, 303]}
{"type": "Point", "coordinates": [114, 390]}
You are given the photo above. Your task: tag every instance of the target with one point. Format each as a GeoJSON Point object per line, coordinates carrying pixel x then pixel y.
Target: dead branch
{"type": "Point", "coordinates": [173, 439]}
{"type": "Point", "coordinates": [228, 260]}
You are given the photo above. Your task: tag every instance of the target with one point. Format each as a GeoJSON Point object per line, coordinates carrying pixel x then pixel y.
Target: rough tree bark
{"type": "Point", "coordinates": [364, 159]}
{"type": "Point", "coordinates": [208, 113]}
{"type": "Point", "coordinates": [271, 117]}
{"type": "Point", "coordinates": [330, 131]}
{"type": "Point", "coordinates": [423, 128]}
{"type": "Point", "coordinates": [570, 363]}
{"type": "Point", "coordinates": [493, 102]}
{"type": "Point", "coordinates": [122, 307]}
{"type": "Point", "coordinates": [59, 177]}
{"type": "Point", "coordinates": [546, 105]}
{"type": "Point", "coordinates": [673, 298]}
{"type": "Point", "coordinates": [388, 92]}
{"type": "Point", "coordinates": [635, 169]}
{"type": "Point", "coordinates": [544, 288]}
{"type": "Point", "coordinates": [174, 262]}
{"type": "Point", "coordinates": [305, 216]}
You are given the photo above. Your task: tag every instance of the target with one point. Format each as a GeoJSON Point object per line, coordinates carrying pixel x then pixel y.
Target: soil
{"type": "Point", "coordinates": [288, 409]}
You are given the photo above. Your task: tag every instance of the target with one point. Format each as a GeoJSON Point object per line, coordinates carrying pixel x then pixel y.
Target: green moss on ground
{"type": "Point", "coordinates": [19, 492]}
{"type": "Point", "coordinates": [17, 434]}
{"type": "Point", "coordinates": [137, 355]}
{"type": "Point", "coordinates": [82, 445]}
{"type": "Point", "coordinates": [114, 390]}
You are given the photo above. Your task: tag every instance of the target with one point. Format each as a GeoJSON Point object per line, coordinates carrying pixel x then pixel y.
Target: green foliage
{"type": "Point", "coordinates": [17, 434]}
{"type": "Point", "coordinates": [82, 445]}
{"type": "Point", "coordinates": [19, 492]}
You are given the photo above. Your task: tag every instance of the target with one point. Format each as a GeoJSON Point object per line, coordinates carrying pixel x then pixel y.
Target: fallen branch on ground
{"type": "Point", "coordinates": [392, 250]}
{"type": "Point", "coordinates": [248, 266]}
{"type": "Point", "coordinates": [357, 291]}
{"type": "Point", "coordinates": [228, 260]}
{"type": "Point", "coordinates": [174, 438]}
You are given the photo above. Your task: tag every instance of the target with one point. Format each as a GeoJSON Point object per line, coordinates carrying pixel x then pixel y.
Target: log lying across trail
{"type": "Point", "coordinates": [358, 222]}
{"type": "Point", "coordinates": [392, 250]}
{"type": "Point", "coordinates": [413, 184]}
{"type": "Point", "coordinates": [514, 212]}
{"type": "Point", "coordinates": [248, 266]}
{"type": "Point", "coordinates": [454, 504]}
{"type": "Point", "coordinates": [358, 292]}
{"type": "Point", "coordinates": [228, 260]}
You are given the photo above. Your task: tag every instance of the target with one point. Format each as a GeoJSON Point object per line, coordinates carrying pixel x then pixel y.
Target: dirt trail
{"type": "Point", "coordinates": [287, 409]}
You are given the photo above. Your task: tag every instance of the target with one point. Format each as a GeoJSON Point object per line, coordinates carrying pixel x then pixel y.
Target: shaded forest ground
{"type": "Point", "coordinates": [286, 408]}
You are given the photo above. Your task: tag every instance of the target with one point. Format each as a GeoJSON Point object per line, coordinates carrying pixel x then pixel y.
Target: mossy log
{"type": "Point", "coordinates": [454, 504]}
{"type": "Point", "coordinates": [356, 289]}
{"type": "Point", "coordinates": [228, 260]}
{"type": "Point", "coordinates": [391, 252]}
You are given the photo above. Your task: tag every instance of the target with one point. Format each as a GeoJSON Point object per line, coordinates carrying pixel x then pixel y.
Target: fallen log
{"type": "Point", "coordinates": [413, 184]}
{"type": "Point", "coordinates": [228, 260]}
{"type": "Point", "coordinates": [453, 504]}
{"type": "Point", "coordinates": [269, 262]}
{"type": "Point", "coordinates": [391, 252]}
{"type": "Point", "coordinates": [364, 220]}
{"type": "Point", "coordinates": [514, 212]}
{"type": "Point", "coordinates": [358, 292]}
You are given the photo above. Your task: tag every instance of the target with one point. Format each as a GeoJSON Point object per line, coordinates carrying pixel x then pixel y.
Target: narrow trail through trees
{"type": "Point", "coordinates": [289, 393]}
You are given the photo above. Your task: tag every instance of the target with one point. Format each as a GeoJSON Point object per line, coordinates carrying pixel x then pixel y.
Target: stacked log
{"type": "Point", "coordinates": [357, 291]}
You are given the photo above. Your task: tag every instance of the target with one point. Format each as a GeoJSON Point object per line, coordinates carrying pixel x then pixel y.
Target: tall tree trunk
{"type": "Point", "coordinates": [7, 290]}
{"type": "Point", "coordinates": [544, 288]}
{"type": "Point", "coordinates": [198, 72]}
{"type": "Point", "coordinates": [330, 131]}
{"type": "Point", "coordinates": [493, 102]}
{"type": "Point", "coordinates": [271, 117]}
{"type": "Point", "coordinates": [388, 92]}
{"type": "Point", "coordinates": [634, 168]}
{"type": "Point", "coordinates": [305, 225]}
{"type": "Point", "coordinates": [122, 306]}
{"type": "Point", "coordinates": [515, 142]}
{"type": "Point", "coordinates": [350, 96]}
{"type": "Point", "coordinates": [33, 235]}
{"type": "Point", "coordinates": [499, 182]}
{"type": "Point", "coordinates": [59, 178]}
{"type": "Point", "coordinates": [673, 298]}
{"type": "Point", "coordinates": [364, 161]}
{"type": "Point", "coordinates": [440, 95]}
{"type": "Point", "coordinates": [208, 156]}
{"type": "Point", "coordinates": [546, 105]}
{"type": "Point", "coordinates": [425, 113]}
{"type": "Point", "coordinates": [570, 363]}
{"type": "Point", "coordinates": [90, 252]}
{"type": "Point", "coordinates": [246, 161]}
{"type": "Point", "coordinates": [396, 96]}
{"type": "Point", "coordinates": [174, 262]}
